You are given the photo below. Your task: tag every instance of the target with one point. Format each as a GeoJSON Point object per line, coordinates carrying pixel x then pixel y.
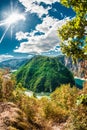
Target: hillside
{"type": "Point", "coordinates": [43, 74]}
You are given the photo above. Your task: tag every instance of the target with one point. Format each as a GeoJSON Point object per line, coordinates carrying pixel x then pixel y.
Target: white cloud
{"type": "Point", "coordinates": [20, 35]}
{"type": "Point", "coordinates": [31, 6]}
{"type": "Point", "coordinates": [24, 2]}
{"type": "Point", "coordinates": [48, 1]}
{"type": "Point", "coordinates": [53, 52]}
{"type": "Point", "coordinates": [41, 43]}
{"type": "Point", "coordinates": [34, 6]}
{"type": "Point", "coordinates": [5, 57]}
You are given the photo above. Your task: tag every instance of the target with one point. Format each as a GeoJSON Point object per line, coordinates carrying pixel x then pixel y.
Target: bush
{"type": "Point", "coordinates": [78, 115]}
{"type": "Point", "coordinates": [55, 113]}
{"type": "Point", "coordinates": [7, 85]}
{"type": "Point", "coordinates": [82, 99]}
{"type": "Point", "coordinates": [65, 96]}
{"type": "Point", "coordinates": [78, 119]}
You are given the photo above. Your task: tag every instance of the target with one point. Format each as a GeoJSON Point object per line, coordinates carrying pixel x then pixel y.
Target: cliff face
{"type": "Point", "coordinates": [12, 118]}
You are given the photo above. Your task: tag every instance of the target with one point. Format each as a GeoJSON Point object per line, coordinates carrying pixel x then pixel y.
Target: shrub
{"type": "Point", "coordinates": [65, 96]}
{"type": "Point", "coordinates": [78, 119]}
{"type": "Point", "coordinates": [7, 85]}
{"type": "Point", "coordinates": [55, 113]}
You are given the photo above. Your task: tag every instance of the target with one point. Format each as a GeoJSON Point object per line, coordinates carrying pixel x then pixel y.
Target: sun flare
{"type": "Point", "coordinates": [15, 17]}
{"type": "Point", "coordinates": [11, 20]}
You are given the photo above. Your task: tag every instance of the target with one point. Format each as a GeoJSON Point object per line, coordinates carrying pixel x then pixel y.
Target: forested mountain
{"type": "Point", "coordinates": [43, 73]}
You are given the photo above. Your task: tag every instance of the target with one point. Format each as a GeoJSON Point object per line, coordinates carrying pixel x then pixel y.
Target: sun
{"type": "Point", "coordinates": [14, 18]}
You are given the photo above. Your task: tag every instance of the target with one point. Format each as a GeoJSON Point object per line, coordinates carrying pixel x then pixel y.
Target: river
{"type": "Point", "coordinates": [79, 82]}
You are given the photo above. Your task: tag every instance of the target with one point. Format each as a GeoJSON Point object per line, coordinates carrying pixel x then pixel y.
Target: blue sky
{"type": "Point", "coordinates": [37, 34]}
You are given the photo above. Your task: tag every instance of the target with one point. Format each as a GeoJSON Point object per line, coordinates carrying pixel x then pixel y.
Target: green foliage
{"type": "Point", "coordinates": [55, 113]}
{"type": "Point", "coordinates": [79, 6]}
{"type": "Point", "coordinates": [73, 33]}
{"type": "Point", "coordinates": [44, 74]}
{"type": "Point", "coordinates": [82, 99]}
{"type": "Point", "coordinates": [65, 96]}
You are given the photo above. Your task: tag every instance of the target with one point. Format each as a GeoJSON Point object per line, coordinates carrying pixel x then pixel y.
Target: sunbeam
{"type": "Point", "coordinates": [3, 22]}
{"type": "Point", "coordinates": [4, 34]}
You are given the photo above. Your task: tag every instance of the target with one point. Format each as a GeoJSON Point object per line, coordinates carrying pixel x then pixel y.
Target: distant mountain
{"type": "Point", "coordinates": [43, 74]}
{"type": "Point", "coordinates": [13, 64]}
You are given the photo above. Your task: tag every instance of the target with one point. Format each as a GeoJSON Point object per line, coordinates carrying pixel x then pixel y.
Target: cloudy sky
{"type": "Point", "coordinates": [30, 27]}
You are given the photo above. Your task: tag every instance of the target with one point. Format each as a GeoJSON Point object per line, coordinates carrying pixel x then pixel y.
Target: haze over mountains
{"type": "Point", "coordinates": [15, 63]}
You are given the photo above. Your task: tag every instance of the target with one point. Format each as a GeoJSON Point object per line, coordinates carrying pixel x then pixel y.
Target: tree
{"type": "Point", "coordinates": [73, 34]}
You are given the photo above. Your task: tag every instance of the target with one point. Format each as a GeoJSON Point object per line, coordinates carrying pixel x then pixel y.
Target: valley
{"type": "Point", "coordinates": [43, 65]}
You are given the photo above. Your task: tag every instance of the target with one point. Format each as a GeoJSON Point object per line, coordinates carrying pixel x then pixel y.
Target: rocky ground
{"type": "Point", "coordinates": [12, 118]}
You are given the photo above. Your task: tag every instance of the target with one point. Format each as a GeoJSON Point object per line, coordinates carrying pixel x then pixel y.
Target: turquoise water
{"type": "Point", "coordinates": [79, 82]}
